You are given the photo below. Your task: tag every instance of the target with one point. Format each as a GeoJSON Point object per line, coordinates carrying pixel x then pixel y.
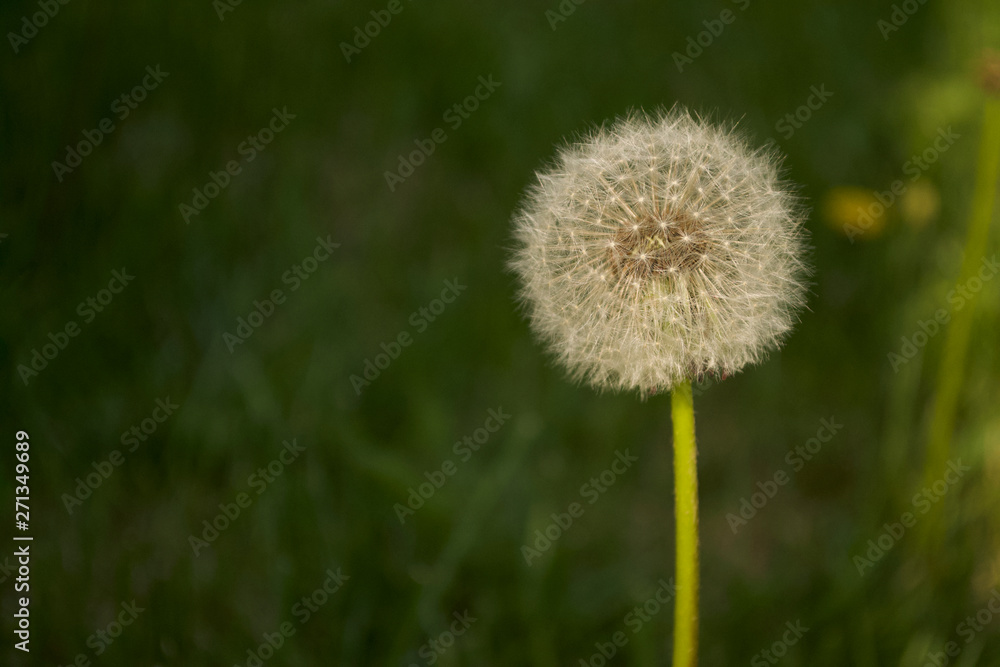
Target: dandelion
{"type": "Point", "coordinates": [657, 250]}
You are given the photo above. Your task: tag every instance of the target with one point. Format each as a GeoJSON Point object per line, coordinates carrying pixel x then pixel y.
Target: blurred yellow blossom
{"type": "Point", "coordinates": [854, 211]}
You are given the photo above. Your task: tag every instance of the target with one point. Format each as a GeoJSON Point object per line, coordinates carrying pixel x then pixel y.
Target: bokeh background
{"type": "Point", "coordinates": [366, 447]}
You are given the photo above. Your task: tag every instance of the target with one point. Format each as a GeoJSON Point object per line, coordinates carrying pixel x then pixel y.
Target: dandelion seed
{"type": "Point", "coordinates": [711, 226]}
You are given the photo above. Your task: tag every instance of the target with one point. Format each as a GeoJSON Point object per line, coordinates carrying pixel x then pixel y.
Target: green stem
{"type": "Point", "coordinates": [686, 503]}
{"type": "Point", "coordinates": [949, 381]}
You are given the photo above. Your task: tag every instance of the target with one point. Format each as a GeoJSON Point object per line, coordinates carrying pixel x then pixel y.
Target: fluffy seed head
{"type": "Point", "coordinates": [657, 249]}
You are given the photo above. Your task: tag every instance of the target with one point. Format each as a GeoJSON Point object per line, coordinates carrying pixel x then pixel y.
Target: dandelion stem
{"type": "Point", "coordinates": [686, 503]}
{"type": "Point", "coordinates": [949, 381]}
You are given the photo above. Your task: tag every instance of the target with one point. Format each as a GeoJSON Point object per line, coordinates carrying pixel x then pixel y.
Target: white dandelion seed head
{"type": "Point", "coordinates": [660, 248]}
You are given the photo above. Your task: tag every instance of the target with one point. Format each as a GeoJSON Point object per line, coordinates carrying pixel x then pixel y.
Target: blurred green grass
{"type": "Point", "coordinates": [461, 551]}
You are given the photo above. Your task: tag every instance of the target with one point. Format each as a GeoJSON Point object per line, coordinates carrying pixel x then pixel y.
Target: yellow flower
{"type": "Point", "coordinates": [854, 212]}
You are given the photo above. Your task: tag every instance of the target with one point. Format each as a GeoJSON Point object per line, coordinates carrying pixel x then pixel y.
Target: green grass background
{"type": "Point", "coordinates": [333, 507]}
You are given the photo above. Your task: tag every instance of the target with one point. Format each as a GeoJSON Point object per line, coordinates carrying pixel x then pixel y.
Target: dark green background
{"type": "Point", "coordinates": [333, 507]}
